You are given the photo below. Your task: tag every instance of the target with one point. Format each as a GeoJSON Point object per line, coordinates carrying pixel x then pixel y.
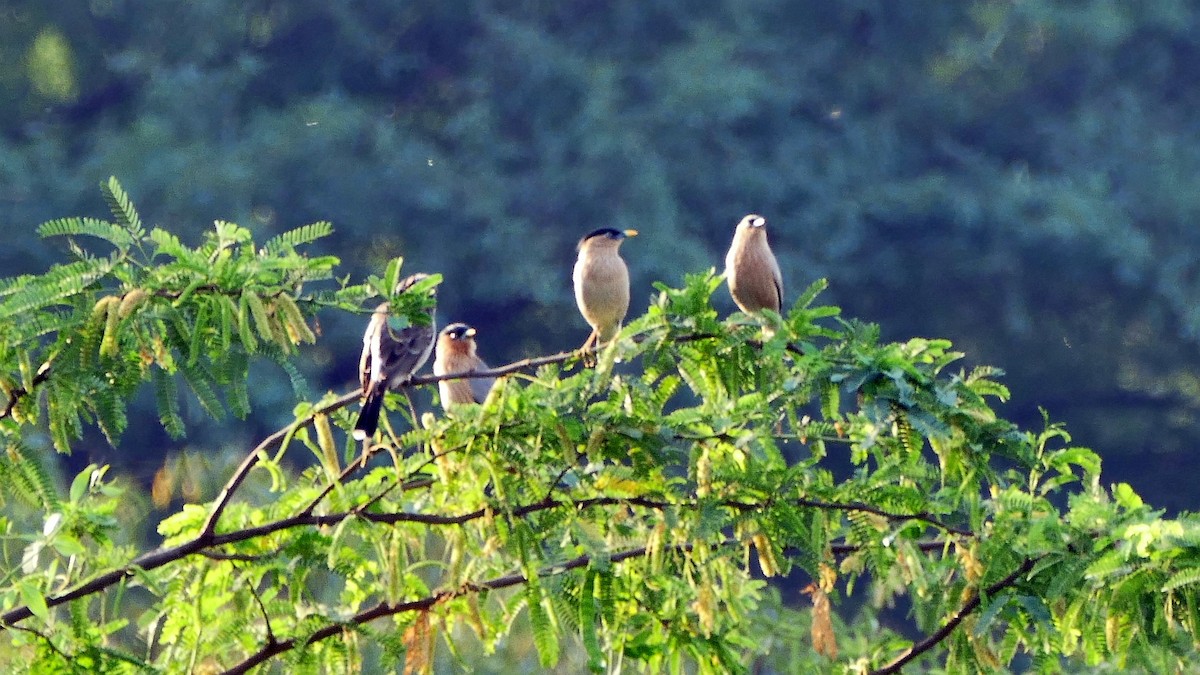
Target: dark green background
{"type": "Point", "coordinates": [1019, 177]}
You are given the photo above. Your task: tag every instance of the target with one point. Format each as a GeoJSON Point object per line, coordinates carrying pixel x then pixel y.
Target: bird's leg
{"type": "Point", "coordinates": [588, 349]}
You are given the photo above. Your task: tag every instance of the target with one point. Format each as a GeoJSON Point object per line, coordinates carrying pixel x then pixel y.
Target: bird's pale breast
{"type": "Point", "coordinates": [602, 290]}
{"type": "Point", "coordinates": [754, 277]}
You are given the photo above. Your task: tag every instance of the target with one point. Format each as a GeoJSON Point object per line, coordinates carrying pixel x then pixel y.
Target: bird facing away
{"type": "Point", "coordinates": [389, 358]}
{"type": "Point", "coordinates": [602, 283]}
{"type": "Point", "coordinates": [751, 269]}
{"type": "Point", "coordinates": [456, 354]}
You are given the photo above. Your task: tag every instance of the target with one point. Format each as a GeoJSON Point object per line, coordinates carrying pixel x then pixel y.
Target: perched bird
{"type": "Point", "coordinates": [456, 354]}
{"type": "Point", "coordinates": [751, 269]}
{"type": "Point", "coordinates": [602, 283]}
{"type": "Point", "coordinates": [389, 358]}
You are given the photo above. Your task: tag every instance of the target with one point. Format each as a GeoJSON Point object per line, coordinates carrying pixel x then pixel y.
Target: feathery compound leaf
{"type": "Point", "coordinates": [297, 379]}
{"type": "Point", "coordinates": [201, 384]}
{"type": "Point", "coordinates": [21, 469]}
{"type": "Point", "coordinates": [168, 244]}
{"type": "Point", "coordinates": [90, 227]}
{"type": "Point", "coordinates": [168, 403]}
{"type": "Point", "coordinates": [814, 289]}
{"type": "Point", "coordinates": [109, 407]}
{"type": "Point", "coordinates": [60, 283]}
{"type": "Point", "coordinates": [830, 400]}
{"type": "Point", "coordinates": [122, 208]}
{"type": "Point", "coordinates": [545, 636]}
{"type": "Point", "coordinates": [589, 611]}
{"type": "Point", "coordinates": [1183, 578]}
{"type": "Point", "coordinates": [33, 326]}
{"type": "Point", "coordinates": [64, 413]}
{"type": "Point", "coordinates": [301, 235]}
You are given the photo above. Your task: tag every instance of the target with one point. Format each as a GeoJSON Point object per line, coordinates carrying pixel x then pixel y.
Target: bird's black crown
{"type": "Point", "coordinates": [457, 331]}
{"type": "Point", "coordinates": [609, 232]}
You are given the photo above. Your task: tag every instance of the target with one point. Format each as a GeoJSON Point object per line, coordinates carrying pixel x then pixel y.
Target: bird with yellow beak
{"type": "Point", "coordinates": [389, 358]}
{"type": "Point", "coordinates": [602, 283]}
{"type": "Point", "coordinates": [751, 269]}
{"type": "Point", "coordinates": [456, 353]}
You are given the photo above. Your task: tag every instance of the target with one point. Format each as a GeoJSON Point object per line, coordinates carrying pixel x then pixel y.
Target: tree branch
{"type": "Point", "coordinates": [942, 633]}
{"type": "Point", "coordinates": [251, 460]}
{"type": "Point", "coordinates": [15, 396]}
{"type": "Point", "coordinates": [204, 541]}
{"type": "Point", "coordinates": [923, 516]}
{"type": "Point", "coordinates": [272, 441]}
{"type": "Point", "coordinates": [384, 609]}
{"type": "Point", "coordinates": [515, 366]}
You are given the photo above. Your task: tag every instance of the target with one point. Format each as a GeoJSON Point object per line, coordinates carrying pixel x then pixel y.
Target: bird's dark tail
{"type": "Point", "coordinates": [368, 417]}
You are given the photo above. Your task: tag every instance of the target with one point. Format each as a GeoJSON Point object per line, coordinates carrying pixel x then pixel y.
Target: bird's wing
{"type": "Point", "coordinates": [778, 290]}
{"type": "Point", "coordinates": [481, 386]}
{"type": "Point", "coordinates": [405, 351]}
{"type": "Point", "coordinates": [371, 360]}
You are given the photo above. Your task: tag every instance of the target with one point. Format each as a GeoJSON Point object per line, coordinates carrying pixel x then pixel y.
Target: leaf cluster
{"type": "Point", "coordinates": [626, 513]}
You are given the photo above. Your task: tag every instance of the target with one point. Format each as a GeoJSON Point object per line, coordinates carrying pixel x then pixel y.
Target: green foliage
{"type": "Point", "coordinates": [149, 310]}
{"type": "Point", "coordinates": [621, 515]}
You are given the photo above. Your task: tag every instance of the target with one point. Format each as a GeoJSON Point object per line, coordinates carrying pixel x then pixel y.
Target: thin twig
{"type": "Point", "coordinates": [947, 628]}
{"type": "Point", "coordinates": [14, 396]}
{"type": "Point", "coordinates": [927, 546]}
{"type": "Point", "coordinates": [262, 608]}
{"type": "Point", "coordinates": [251, 460]}
{"type": "Point", "coordinates": [523, 364]}
{"type": "Point", "coordinates": [232, 557]}
{"type": "Point", "coordinates": [49, 643]}
{"type": "Point", "coordinates": [923, 516]}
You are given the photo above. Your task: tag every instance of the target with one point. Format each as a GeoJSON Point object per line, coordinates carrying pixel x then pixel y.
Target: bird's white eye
{"type": "Point", "coordinates": [758, 222]}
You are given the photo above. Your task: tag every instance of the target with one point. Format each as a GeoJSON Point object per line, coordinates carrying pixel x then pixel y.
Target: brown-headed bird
{"type": "Point", "coordinates": [456, 353]}
{"type": "Point", "coordinates": [751, 269]}
{"type": "Point", "coordinates": [602, 283]}
{"type": "Point", "coordinates": [389, 358]}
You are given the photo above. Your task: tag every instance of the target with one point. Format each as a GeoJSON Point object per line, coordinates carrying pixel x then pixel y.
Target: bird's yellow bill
{"type": "Point", "coordinates": [470, 332]}
{"type": "Point", "coordinates": [630, 233]}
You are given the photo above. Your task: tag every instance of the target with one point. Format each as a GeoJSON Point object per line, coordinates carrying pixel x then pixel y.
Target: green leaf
{"type": "Point", "coordinates": [165, 396]}
{"type": "Point", "coordinates": [81, 482]}
{"type": "Point", "coordinates": [545, 636]}
{"type": "Point", "coordinates": [91, 227]}
{"type": "Point", "coordinates": [33, 598]}
{"type": "Point", "coordinates": [1182, 578]}
{"type": "Point", "coordinates": [1125, 496]}
{"type": "Point", "coordinates": [589, 611]}
{"type": "Point", "coordinates": [122, 208]}
{"type": "Point", "coordinates": [289, 240]}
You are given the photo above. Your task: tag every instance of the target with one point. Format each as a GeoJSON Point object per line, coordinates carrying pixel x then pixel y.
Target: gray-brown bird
{"type": "Point", "coordinates": [389, 358]}
{"type": "Point", "coordinates": [751, 269]}
{"type": "Point", "coordinates": [456, 353]}
{"type": "Point", "coordinates": [602, 283]}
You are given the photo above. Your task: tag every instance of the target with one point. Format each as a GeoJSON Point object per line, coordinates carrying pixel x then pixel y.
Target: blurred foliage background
{"type": "Point", "coordinates": [1015, 175]}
